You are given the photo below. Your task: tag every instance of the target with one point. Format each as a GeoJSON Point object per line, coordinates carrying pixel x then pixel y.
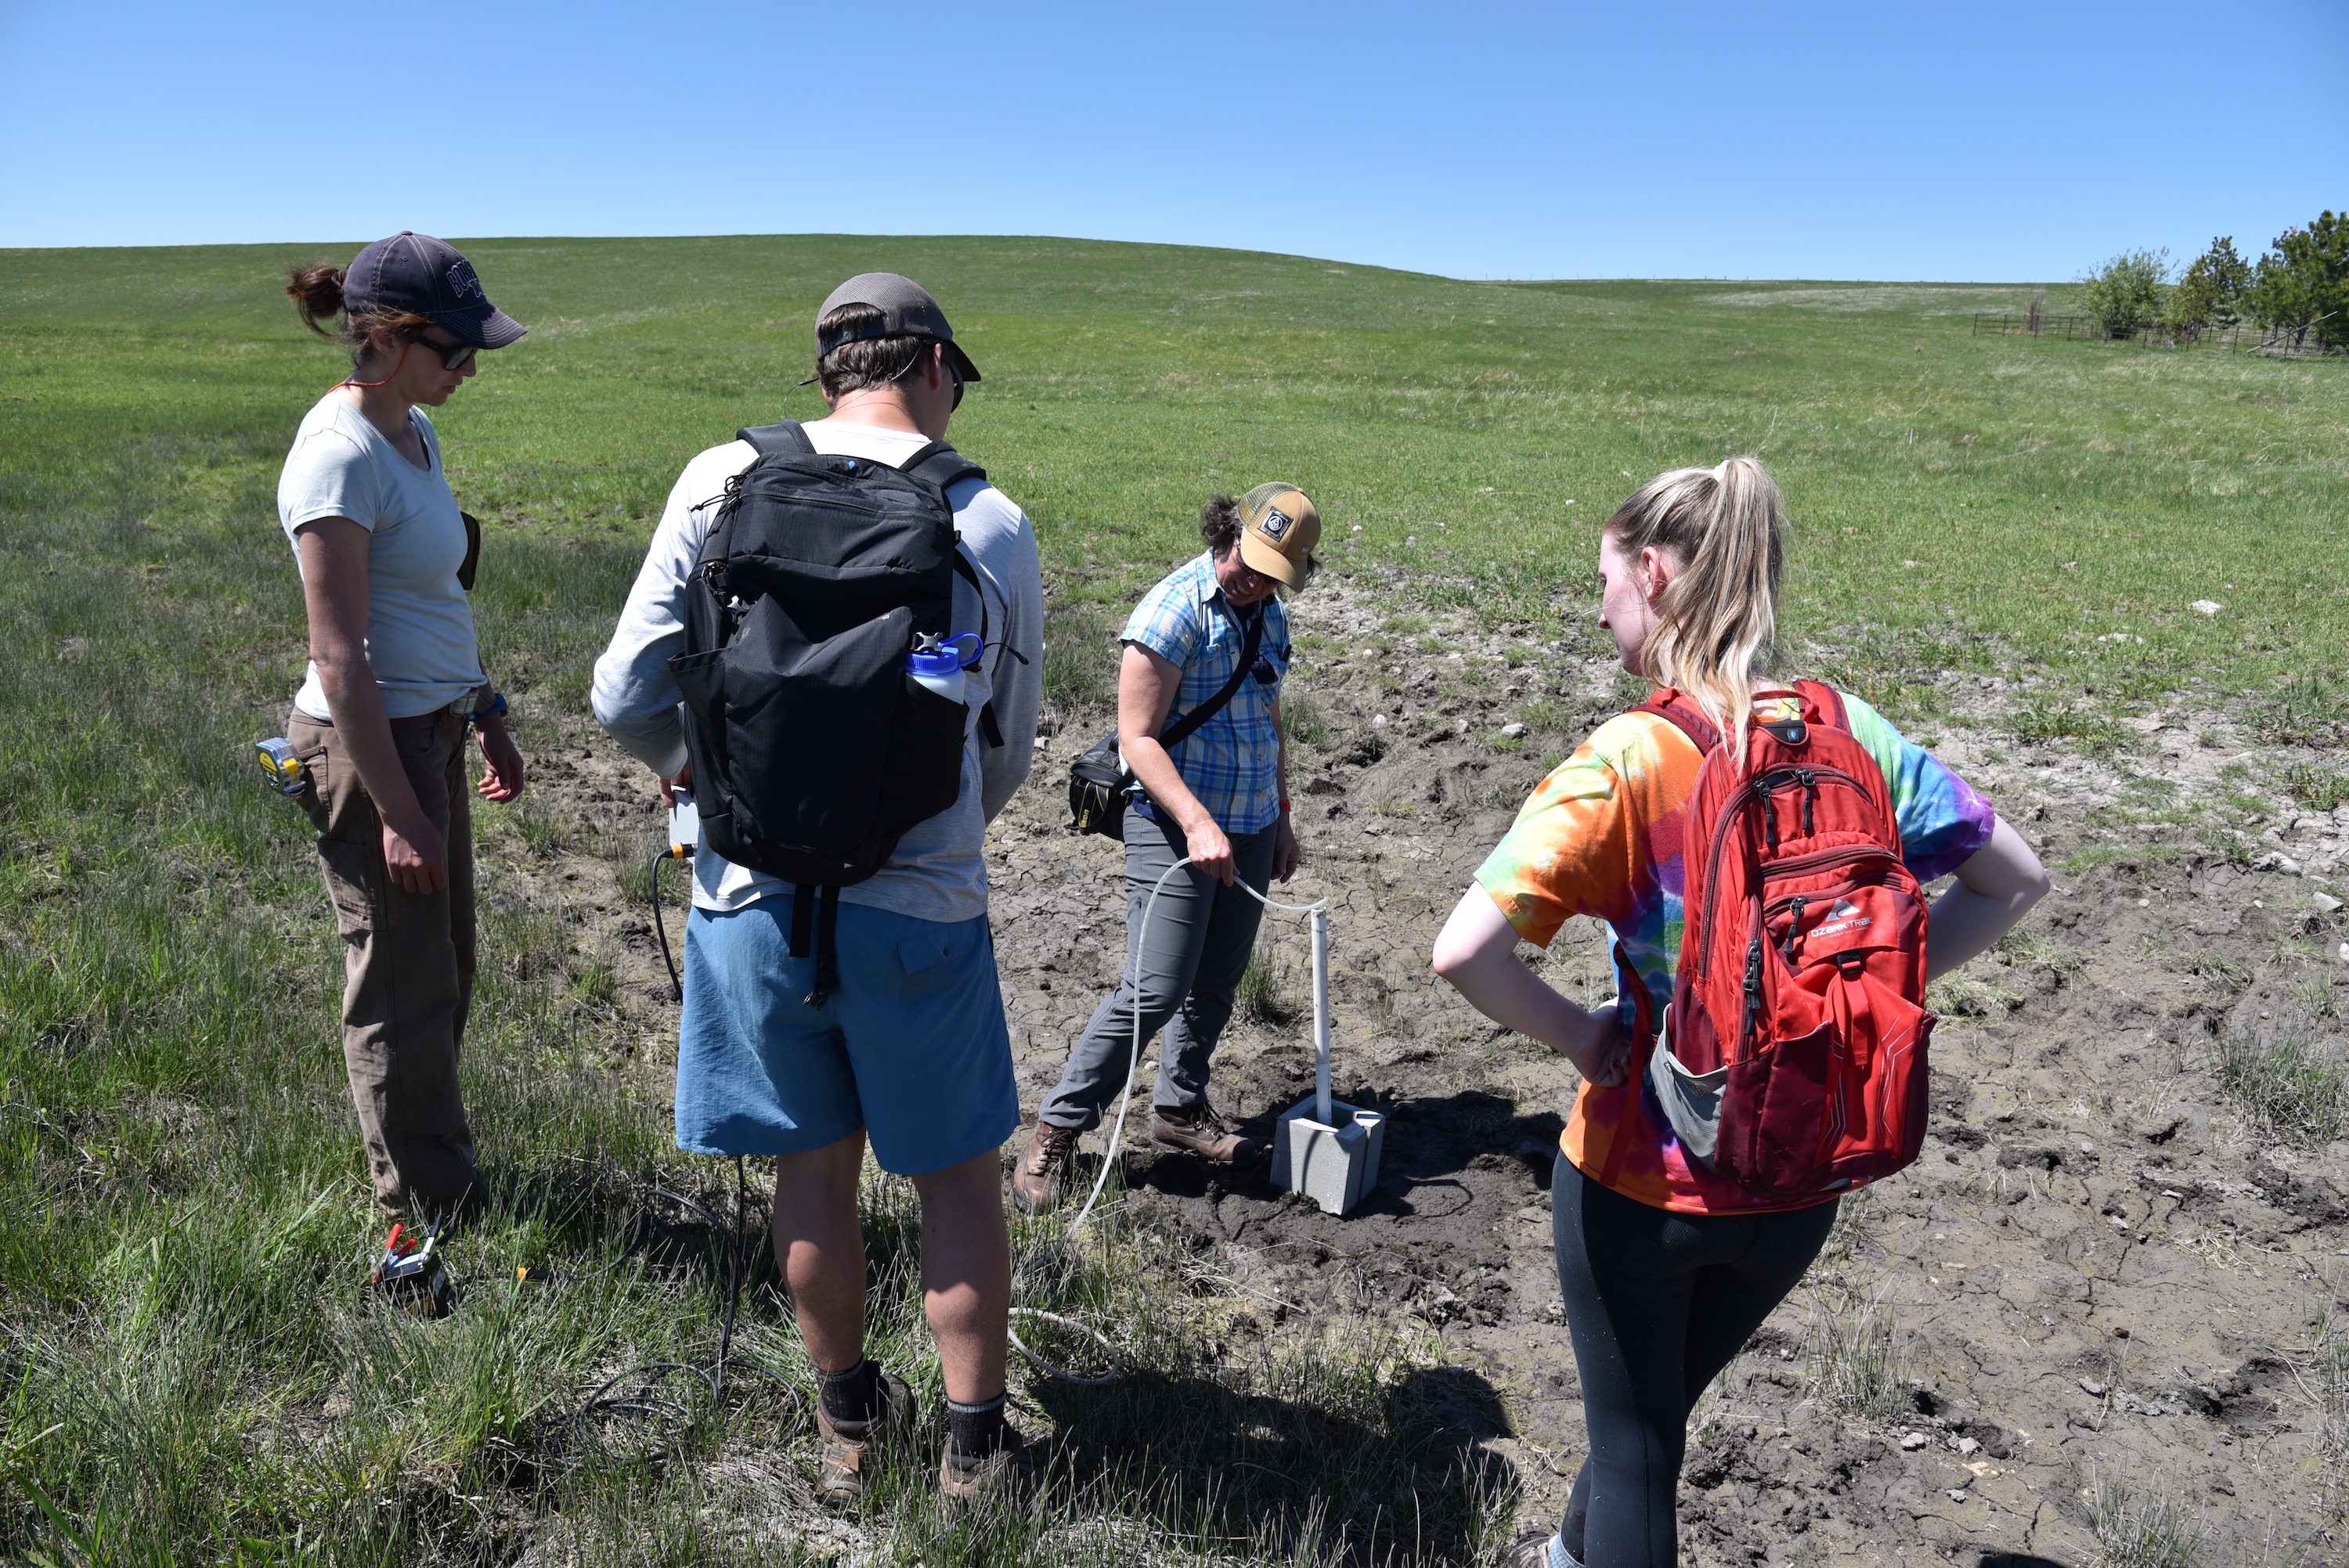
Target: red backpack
{"type": "Point", "coordinates": [1793, 1061]}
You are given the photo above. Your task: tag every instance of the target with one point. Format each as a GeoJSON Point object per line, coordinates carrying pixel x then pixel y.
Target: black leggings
{"type": "Point", "coordinates": [1657, 1303]}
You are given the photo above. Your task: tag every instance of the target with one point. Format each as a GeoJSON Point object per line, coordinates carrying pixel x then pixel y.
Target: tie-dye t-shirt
{"type": "Point", "coordinates": [1602, 837]}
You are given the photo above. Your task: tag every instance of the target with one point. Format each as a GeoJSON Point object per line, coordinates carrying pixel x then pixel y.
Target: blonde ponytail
{"type": "Point", "coordinates": [1717, 621]}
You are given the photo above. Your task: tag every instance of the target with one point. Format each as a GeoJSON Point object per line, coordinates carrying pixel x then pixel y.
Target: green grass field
{"type": "Point", "coordinates": [180, 1248]}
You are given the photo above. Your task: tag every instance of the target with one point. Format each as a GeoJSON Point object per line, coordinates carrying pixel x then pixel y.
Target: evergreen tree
{"type": "Point", "coordinates": [2302, 286]}
{"type": "Point", "coordinates": [2210, 293]}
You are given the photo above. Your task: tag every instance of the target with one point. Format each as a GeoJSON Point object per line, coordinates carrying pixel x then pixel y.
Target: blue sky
{"type": "Point", "coordinates": [1483, 140]}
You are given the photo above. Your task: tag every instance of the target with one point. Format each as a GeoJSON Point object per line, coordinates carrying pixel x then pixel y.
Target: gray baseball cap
{"type": "Point", "coordinates": [905, 307]}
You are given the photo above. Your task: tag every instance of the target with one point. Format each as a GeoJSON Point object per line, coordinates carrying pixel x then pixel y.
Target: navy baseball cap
{"type": "Point", "coordinates": [417, 272]}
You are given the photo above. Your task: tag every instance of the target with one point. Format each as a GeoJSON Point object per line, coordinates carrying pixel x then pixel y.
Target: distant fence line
{"type": "Point", "coordinates": [2034, 323]}
{"type": "Point", "coordinates": [2241, 336]}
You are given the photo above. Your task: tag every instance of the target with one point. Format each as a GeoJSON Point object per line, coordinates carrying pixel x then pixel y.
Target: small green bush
{"type": "Point", "coordinates": [2129, 293]}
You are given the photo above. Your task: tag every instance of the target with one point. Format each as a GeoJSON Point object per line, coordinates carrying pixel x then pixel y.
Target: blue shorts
{"type": "Point", "coordinates": [912, 1048]}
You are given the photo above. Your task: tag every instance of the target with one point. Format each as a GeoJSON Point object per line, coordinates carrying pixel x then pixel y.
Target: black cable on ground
{"type": "Point", "coordinates": [632, 1398]}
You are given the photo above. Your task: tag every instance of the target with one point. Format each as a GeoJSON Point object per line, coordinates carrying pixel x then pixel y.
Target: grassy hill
{"type": "Point", "coordinates": [2047, 491]}
{"type": "Point", "coordinates": [177, 1260]}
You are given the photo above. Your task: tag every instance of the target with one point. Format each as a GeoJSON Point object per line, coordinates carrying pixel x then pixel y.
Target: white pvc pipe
{"type": "Point", "coordinates": [1320, 911]}
{"type": "Point", "coordinates": [1321, 1015]}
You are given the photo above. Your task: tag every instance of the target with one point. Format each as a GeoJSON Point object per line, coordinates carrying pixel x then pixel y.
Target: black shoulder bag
{"type": "Point", "coordinates": [1099, 782]}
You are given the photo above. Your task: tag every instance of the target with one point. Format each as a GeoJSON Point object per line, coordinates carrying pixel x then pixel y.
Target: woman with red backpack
{"type": "Point", "coordinates": [1780, 836]}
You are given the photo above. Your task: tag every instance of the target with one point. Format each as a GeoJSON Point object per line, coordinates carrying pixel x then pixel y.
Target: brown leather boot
{"type": "Point", "coordinates": [1042, 1174]}
{"type": "Point", "coordinates": [1007, 1473]}
{"type": "Point", "coordinates": [852, 1450]}
{"type": "Point", "coordinates": [1199, 1128]}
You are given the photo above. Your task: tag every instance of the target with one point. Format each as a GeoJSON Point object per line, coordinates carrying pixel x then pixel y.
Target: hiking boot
{"type": "Point", "coordinates": [1045, 1166]}
{"type": "Point", "coordinates": [1199, 1128]}
{"type": "Point", "coordinates": [851, 1448]}
{"type": "Point", "coordinates": [1007, 1471]}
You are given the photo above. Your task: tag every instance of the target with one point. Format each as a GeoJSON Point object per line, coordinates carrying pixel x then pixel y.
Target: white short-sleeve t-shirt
{"type": "Point", "coordinates": [419, 637]}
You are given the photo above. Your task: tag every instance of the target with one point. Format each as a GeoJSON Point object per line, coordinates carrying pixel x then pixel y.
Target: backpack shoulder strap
{"type": "Point", "coordinates": [1827, 701]}
{"type": "Point", "coordinates": [784, 436]}
{"type": "Point", "coordinates": [1183, 729]}
{"type": "Point", "coordinates": [969, 574]}
{"type": "Point", "coordinates": [941, 464]}
{"type": "Point", "coordinates": [1684, 716]}
{"type": "Point", "coordinates": [472, 551]}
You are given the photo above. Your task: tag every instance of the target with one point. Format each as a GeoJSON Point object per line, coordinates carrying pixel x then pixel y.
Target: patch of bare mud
{"type": "Point", "coordinates": [2098, 1274]}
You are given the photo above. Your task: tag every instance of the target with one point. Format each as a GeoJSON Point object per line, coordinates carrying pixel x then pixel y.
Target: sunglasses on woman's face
{"type": "Point", "coordinates": [453, 356]}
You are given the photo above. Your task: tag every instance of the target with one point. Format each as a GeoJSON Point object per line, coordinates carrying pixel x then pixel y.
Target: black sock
{"type": "Point", "coordinates": [975, 1431]}
{"type": "Point", "coordinates": [852, 1399]}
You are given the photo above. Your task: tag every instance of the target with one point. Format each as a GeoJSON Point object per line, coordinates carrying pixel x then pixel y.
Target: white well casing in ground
{"type": "Point", "coordinates": [1334, 1165]}
{"type": "Point", "coordinates": [1321, 1147]}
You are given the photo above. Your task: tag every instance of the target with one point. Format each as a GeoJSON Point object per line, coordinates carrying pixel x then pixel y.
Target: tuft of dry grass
{"type": "Point", "coordinates": [1852, 1352]}
{"type": "Point", "coordinates": [2287, 1085]}
{"type": "Point", "coordinates": [2143, 1527]}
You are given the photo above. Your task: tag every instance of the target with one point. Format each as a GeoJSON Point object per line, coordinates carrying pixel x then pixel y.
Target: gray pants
{"type": "Point", "coordinates": [1200, 937]}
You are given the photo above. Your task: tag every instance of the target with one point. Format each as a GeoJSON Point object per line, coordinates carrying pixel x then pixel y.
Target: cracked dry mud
{"type": "Point", "coordinates": [2098, 1274]}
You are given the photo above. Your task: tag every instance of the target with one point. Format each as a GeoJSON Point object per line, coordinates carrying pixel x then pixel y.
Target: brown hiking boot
{"type": "Point", "coordinates": [1007, 1471]}
{"type": "Point", "coordinates": [1044, 1168]}
{"type": "Point", "coordinates": [1199, 1128]}
{"type": "Point", "coordinates": [851, 1448]}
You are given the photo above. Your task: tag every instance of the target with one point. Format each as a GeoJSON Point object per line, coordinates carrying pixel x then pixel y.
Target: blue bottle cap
{"type": "Point", "coordinates": [940, 662]}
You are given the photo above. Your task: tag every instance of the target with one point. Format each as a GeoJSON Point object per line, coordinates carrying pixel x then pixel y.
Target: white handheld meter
{"type": "Point", "coordinates": [684, 824]}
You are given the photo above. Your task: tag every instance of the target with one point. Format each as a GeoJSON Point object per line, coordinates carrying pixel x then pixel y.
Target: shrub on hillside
{"type": "Point", "coordinates": [2127, 293]}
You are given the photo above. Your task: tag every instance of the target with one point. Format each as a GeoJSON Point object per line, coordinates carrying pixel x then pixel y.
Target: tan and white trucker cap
{"type": "Point", "coordinates": [1279, 528]}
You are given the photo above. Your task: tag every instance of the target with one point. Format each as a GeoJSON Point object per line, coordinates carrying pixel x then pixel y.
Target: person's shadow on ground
{"type": "Point", "coordinates": [1354, 1474]}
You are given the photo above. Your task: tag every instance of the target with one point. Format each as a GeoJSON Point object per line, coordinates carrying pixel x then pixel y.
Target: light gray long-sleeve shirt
{"type": "Point", "coordinates": [938, 872]}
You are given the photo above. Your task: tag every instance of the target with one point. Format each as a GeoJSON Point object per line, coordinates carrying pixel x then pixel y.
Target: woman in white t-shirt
{"type": "Point", "coordinates": [395, 682]}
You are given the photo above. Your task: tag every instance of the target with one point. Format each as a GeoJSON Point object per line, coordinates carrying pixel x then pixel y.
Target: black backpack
{"type": "Point", "coordinates": [814, 751]}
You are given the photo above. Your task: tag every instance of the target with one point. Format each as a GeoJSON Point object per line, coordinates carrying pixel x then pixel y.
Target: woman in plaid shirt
{"type": "Point", "coordinates": [1219, 797]}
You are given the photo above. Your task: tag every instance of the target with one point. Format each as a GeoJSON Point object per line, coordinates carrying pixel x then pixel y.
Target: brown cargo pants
{"type": "Point", "coordinates": [408, 960]}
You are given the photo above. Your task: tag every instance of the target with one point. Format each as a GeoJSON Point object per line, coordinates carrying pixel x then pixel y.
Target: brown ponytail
{"type": "Point", "coordinates": [316, 292]}
{"type": "Point", "coordinates": [1718, 619]}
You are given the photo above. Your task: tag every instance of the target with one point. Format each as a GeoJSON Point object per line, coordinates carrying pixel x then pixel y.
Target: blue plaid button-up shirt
{"type": "Point", "coordinates": [1232, 761]}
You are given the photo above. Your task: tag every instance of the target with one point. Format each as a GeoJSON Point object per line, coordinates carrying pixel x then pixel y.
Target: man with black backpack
{"type": "Point", "coordinates": [835, 644]}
